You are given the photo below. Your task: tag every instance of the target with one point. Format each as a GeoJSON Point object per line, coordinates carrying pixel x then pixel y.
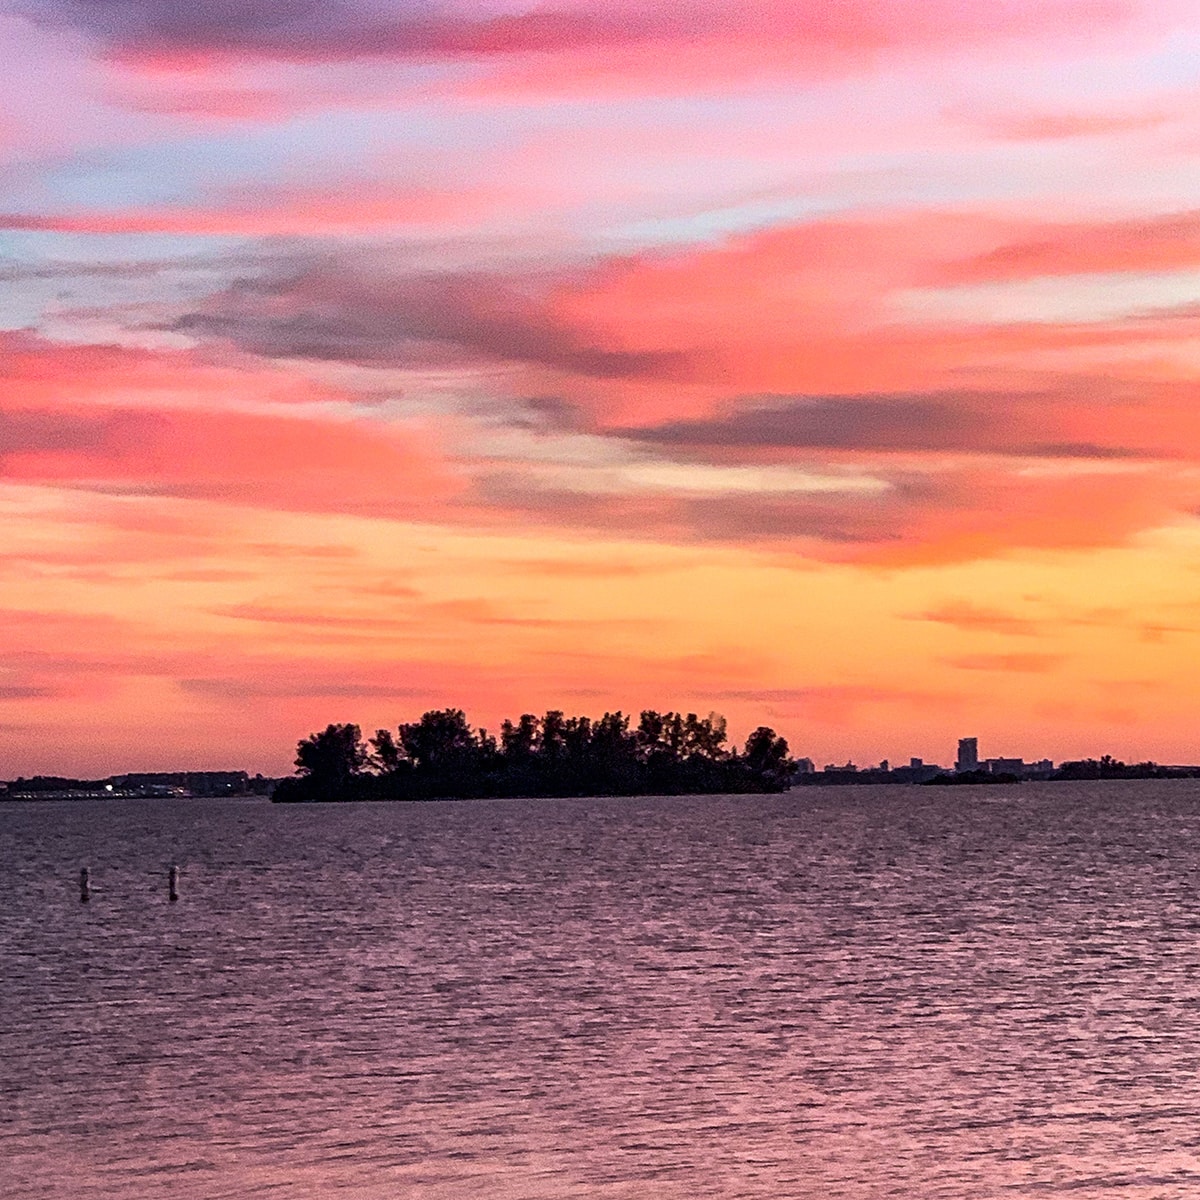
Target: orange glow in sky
{"type": "Point", "coordinates": [829, 366]}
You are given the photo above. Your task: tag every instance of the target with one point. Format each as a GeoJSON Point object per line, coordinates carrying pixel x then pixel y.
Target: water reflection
{"type": "Point", "coordinates": [851, 993]}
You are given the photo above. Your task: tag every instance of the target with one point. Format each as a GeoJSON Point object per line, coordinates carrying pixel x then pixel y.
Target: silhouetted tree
{"type": "Point", "coordinates": [488, 748]}
{"type": "Point", "coordinates": [577, 736]}
{"type": "Point", "coordinates": [553, 746]}
{"type": "Point", "coordinates": [520, 741]}
{"type": "Point", "coordinates": [705, 738]}
{"type": "Point", "coordinates": [649, 735]}
{"type": "Point", "coordinates": [327, 764]}
{"type": "Point", "coordinates": [440, 741]}
{"type": "Point", "coordinates": [385, 754]}
{"type": "Point", "coordinates": [766, 755]}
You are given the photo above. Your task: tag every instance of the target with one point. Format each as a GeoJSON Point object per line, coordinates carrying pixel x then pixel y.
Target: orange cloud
{"type": "Point", "coordinates": [1019, 664]}
{"type": "Point", "coordinates": [843, 704]}
{"type": "Point", "coordinates": [973, 618]}
{"type": "Point", "coordinates": [992, 510]}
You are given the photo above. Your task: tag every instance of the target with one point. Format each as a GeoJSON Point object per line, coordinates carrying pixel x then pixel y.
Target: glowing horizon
{"type": "Point", "coordinates": [828, 366]}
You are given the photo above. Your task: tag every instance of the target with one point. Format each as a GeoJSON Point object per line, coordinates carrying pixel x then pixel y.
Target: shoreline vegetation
{"type": "Point", "coordinates": [1105, 768]}
{"type": "Point", "coordinates": [667, 754]}
{"type": "Point", "coordinates": [441, 757]}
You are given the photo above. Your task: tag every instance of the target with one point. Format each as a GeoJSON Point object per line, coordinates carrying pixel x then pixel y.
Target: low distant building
{"type": "Point", "coordinates": [1005, 766]}
{"type": "Point", "coordinates": [184, 783]}
{"type": "Point", "coordinates": [917, 771]}
{"type": "Point", "coordinates": [835, 774]}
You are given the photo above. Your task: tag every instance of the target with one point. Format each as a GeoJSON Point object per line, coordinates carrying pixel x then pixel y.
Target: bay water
{"type": "Point", "coordinates": [958, 993]}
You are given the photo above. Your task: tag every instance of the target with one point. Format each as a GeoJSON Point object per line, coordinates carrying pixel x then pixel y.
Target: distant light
{"type": "Point", "coordinates": [108, 787]}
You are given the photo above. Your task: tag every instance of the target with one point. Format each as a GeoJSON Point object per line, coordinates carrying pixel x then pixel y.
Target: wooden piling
{"type": "Point", "coordinates": [85, 885]}
{"type": "Point", "coordinates": [173, 883]}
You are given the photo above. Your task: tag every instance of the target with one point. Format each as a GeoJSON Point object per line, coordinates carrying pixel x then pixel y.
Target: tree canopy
{"type": "Point", "coordinates": [441, 756]}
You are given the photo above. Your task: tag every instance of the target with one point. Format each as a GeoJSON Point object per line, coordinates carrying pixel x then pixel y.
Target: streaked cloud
{"type": "Point", "coordinates": [356, 29]}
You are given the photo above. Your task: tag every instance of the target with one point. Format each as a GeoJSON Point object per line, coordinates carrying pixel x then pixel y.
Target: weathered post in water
{"type": "Point", "coordinates": [85, 885]}
{"type": "Point", "coordinates": [173, 883]}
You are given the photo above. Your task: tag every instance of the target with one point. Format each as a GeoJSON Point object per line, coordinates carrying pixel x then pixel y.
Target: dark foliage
{"type": "Point", "coordinates": [1107, 767]}
{"type": "Point", "coordinates": [327, 764]}
{"type": "Point", "coordinates": [963, 777]}
{"type": "Point", "coordinates": [442, 757]}
{"type": "Point", "coordinates": [55, 783]}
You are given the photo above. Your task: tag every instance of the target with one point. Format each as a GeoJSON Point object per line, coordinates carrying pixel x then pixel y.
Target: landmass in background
{"type": "Point", "coordinates": [442, 757]}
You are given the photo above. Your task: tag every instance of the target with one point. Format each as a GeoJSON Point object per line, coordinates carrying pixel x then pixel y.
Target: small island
{"type": "Point", "coordinates": [441, 757]}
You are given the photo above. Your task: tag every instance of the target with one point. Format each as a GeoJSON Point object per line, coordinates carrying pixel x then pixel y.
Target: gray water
{"type": "Point", "coordinates": [852, 993]}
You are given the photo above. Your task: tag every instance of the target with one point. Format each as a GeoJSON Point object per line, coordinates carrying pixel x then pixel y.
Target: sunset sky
{"type": "Point", "coordinates": [831, 364]}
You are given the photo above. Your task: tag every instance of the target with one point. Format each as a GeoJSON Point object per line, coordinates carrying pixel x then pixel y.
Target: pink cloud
{"type": "Point", "coordinates": [652, 352]}
{"type": "Point", "coordinates": [826, 319]}
{"type": "Point", "coordinates": [282, 29]}
{"type": "Point", "coordinates": [1052, 126]}
{"type": "Point", "coordinates": [361, 207]}
{"type": "Point", "coordinates": [66, 419]}
{"type": "Point", "coordinates": [36, 371]}
{"type": "Point", "coordinates": [792, 39]}
{"type": "Point", "coordinates": [1164, 242]}
{"type": "Point", "coordinates": [250, 459]}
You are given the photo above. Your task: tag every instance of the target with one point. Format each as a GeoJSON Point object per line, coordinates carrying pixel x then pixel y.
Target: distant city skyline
{"type": "Point", "coordinates": [917, 768]}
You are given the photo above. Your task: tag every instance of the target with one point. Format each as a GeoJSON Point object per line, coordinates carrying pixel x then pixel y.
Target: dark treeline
{"type": "Point", "coordinates": [55, 783]}
{"type": "Point", "coordinates": [1105, 767]}
{"type": "Point", "coordinates": [442, 757]}
{"type": "Point", "coordinates": [967, 777]}
{"type": "Point", "coordinates": [1108, 767]}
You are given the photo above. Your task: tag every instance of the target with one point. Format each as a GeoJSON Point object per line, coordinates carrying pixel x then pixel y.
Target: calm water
{"type": "Point", "coordinates": [844, 993]}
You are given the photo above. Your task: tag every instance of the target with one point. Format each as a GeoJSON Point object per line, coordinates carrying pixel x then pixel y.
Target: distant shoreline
{"type": "Point", "coordinates": [1177, 774]}
{"type": "Point", "coordinates": [442, 758]}
{"type": "Point", "coordinates": [141, 785]}
{"type": "Point", "coordinates": [1083, 771]}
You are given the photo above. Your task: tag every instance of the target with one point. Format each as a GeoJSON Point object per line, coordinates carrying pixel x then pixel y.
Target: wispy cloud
{"type": "Point", "coordinates": [969, 617]}
{"type": "Point", "coordinates": [1020, 664]}
{"type": "Point", "coordinates": [354, 312]}
{"type": "Point", "coordinates": [355, 29]}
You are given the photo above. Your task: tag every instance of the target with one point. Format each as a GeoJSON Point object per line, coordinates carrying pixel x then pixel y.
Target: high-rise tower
{"type": "Point", "coordinates": [968, 755]}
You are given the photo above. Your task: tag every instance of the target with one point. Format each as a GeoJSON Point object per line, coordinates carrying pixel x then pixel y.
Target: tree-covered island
{"type": "Point", "coordinates": [442, 757]}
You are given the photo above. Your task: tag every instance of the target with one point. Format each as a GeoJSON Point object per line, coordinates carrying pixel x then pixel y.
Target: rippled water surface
{"type": "Point", "coordinates": [853, 993]}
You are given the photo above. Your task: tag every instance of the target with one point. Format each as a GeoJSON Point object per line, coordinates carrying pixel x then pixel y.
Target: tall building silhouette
{"type": "Point", "coordinates": [968, 755]}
